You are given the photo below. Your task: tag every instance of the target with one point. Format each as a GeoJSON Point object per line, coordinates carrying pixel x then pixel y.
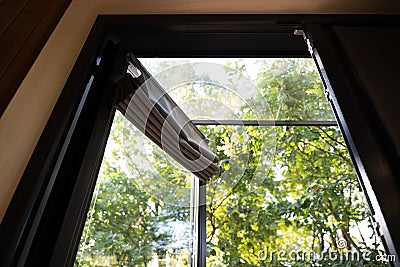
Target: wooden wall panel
{"type": "Point", "coordinates": [25, 28]}
{"type": "Point", "coordinates": [9, 10]}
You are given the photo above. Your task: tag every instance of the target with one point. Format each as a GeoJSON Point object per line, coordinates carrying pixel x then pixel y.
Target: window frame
{"type": "Point", "coordinates": [46, 216]}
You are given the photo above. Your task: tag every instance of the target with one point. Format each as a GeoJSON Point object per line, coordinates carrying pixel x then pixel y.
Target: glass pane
{"type": "Point", "coordinates": [250, 89]}
{"type": "Point", "coordinates": [300, 205]}
{"type": "Point", "coordinates": [285, 196]}
{"type": "Point", "coordinates": [132, 220]}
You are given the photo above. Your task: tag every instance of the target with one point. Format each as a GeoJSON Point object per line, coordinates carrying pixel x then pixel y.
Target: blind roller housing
{"type": "Point", "coordinates": [143, 101]}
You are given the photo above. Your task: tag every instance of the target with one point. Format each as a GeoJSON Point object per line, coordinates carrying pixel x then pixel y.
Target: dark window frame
{"type": "Point", "coordinates": [46, 216]}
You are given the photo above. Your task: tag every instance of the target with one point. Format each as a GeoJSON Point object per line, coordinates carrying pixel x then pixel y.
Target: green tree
{"type": "Point", "coordinates": [309, 200]}
{"type": "Point", "coordinates": [126, 226]}
{"type": "Point", "coordinates": [297, 189]}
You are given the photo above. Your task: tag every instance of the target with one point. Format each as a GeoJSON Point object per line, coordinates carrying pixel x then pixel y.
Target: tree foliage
{"type": "Point", "coordinates": [125, 225]}
{"type": "Point", "coordinates": [303, 196]}
{"type": "Point", "coordinates": [309, 201]}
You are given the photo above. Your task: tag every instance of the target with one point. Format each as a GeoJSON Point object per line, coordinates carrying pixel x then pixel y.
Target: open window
{"type": "Point", "coordinates": [276, 140]}
{"type": "Point", "coordinates": [286, 193]}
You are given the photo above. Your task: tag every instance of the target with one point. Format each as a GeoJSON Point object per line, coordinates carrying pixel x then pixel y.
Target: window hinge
{"type": "Point", "coordinates": [299, 32]}
{"type": "Point", "coordinates": [377, 227]}
{"type": "Point", "coordinates": [310, 45]}
{"type": "Point", "coordinates": [328, 95]}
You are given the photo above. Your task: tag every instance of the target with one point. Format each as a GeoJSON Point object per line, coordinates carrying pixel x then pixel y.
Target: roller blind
{"type": "Point", "coordinates": [143, 101]}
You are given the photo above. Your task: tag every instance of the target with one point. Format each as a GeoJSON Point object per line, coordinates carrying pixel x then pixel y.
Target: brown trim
{"type": "Point", "coordinates": [28, 26]}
